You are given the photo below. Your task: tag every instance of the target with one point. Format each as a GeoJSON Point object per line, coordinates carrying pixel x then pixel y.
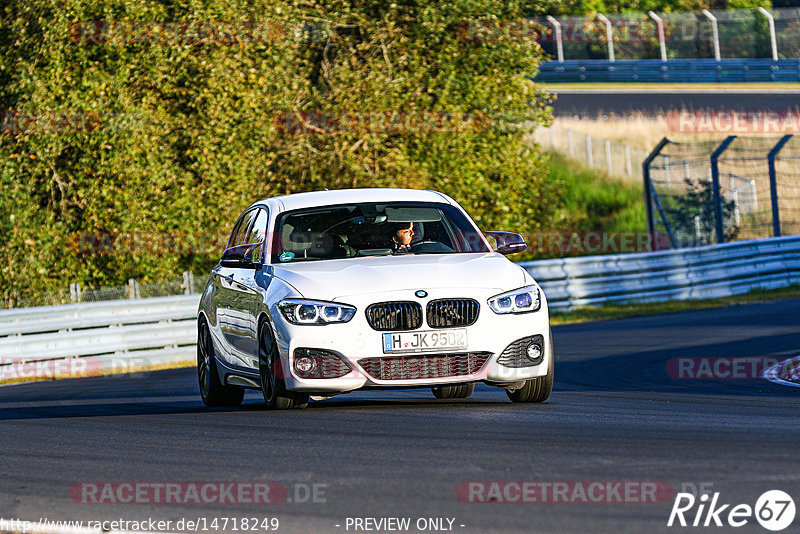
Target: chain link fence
{"type": "Point", "coordinates": [741, 33]}
{"type": "Point", "coordinates": [712, 192]}
{"type": "Point", "coordinates": [614, 158]}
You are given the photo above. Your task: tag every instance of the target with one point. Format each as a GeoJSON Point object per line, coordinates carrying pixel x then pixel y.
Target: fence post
{"type": "Point", "coordinates": [608, 156]}
{"type": "Point", "coordinates": [661, 41]}
{"type": "Point", "coordinates": [609, 35]}
{"type": "Point", "coordinates": [648, 191]}
{"type": "Point", "coordinates": [559, 40]}
{"type": "Point", "coordinates": [133, 288]}
{"type": "Point", "coordinates": [714, 32]}
{"type": "Point", "coordinates": [628, 165]}
{"type": "Point", "coordinates": [735, 195]}
{"type": "Point", "coordinates": [772, 40]}
{"type": "Point", "coordinates": [571, 144]}
{"type": "Point", "coordinates": [75, 292]}
{"type": "Point", "coordinates": [720, 224]}
{"type": "Point", "coordinates": [188, 282]}
{"type": "Point", "coordinates": [589, 158]}
{"type": "Point", "coordinates": [773, 185]}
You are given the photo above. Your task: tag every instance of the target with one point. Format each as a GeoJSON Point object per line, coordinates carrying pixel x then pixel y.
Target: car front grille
{"type": "Point", "coordinates": [420, 367]}
{"type": "Point", "coordinates": [516, 354]}
{"type": "Point", "coordinates": [385, 316]}
{"type": "Point", "coordinates": [446, 313]}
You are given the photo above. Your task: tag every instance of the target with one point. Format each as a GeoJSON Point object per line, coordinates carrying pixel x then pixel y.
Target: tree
{"type": "Point", "coordinates": [159, 130]}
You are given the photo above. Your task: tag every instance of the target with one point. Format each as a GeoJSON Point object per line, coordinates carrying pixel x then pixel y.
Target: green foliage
{"type": "Point", "coordinates": [596, 202]}
{"type": "Point", "coordinates": [196, 137]}
{"type": "Point", "coordinates": [693, 213]}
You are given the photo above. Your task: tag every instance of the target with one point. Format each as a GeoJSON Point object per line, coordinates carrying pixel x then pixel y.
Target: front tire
{"type": "Point", "coordinates": [273, 386]}
{"type": "Point", "coordinates": [460, 391]}
{"type": "Point", "coordinates": [536, 389]}
{"type": "Point", "coordinates": [212, 391]}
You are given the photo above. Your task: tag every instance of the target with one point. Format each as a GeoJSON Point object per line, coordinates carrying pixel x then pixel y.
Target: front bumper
{"type": "Point", "coordinates": [356, 340]}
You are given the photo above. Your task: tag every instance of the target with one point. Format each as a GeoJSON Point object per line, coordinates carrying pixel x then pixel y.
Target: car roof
{"type": "Point", "coordinates": [347, 196]}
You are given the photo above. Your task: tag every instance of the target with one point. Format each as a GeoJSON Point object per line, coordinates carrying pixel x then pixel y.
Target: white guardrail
{"type": "Point", "coordinates": [97, 338]}
{"type": "Point", "coordinates": [155, 331]}
{"type": "Point", "coordinates": [691, 273]}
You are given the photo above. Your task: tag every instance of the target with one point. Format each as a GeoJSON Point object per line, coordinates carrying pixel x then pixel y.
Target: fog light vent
{"type": "Point", "coordinates": [317, 363]}
{"type": "Point", "coordinates": [524, 352]}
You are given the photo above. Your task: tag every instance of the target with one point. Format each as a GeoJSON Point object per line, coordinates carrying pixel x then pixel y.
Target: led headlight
{"type": "Point", "coordinates": [522, 300]}
{"type": "Point", "coordinates": [301, 311]}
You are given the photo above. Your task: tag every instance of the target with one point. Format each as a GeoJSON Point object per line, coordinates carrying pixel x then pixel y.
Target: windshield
{"type": "Point", "coordinates": [373, 229]}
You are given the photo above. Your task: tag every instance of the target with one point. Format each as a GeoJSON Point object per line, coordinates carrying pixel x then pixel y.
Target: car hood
{"type": "Point", "coordinates": [331, 279]}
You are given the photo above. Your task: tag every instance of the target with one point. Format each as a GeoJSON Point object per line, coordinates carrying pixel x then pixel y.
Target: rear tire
{"type": "Point", "coordinates": [536, 389]}
{"type": "Point", "coordinates": [212, 391]}
{"type": "Point", "coordinates": [273, 386]}
{"type": "Point", "coordinates": [460, 391]}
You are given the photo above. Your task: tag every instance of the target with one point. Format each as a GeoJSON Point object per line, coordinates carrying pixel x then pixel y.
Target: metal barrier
{"type": "Point", "coordinates": [163, 330]}
{"type": "Point", "coordinates": [703, 272]}
{"type": "Point", "coordinates": [674, 70]}
{"type": "Point", "coordinates": [109, 335]}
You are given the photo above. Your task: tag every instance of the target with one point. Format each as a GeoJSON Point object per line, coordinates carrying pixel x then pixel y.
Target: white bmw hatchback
{"type": "Point", "coordinates": [329, 292]}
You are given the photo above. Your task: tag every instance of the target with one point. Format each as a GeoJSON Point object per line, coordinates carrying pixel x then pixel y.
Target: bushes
{"type": "Point", "coordinates": [182, 135]}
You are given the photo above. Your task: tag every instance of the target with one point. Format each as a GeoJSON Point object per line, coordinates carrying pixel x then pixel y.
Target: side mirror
{"type": "Point", "coordinates": [239, 256]}
{"type": "Point", "coordinates": [508, 242]}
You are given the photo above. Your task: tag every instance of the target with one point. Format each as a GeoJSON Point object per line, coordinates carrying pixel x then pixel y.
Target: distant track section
{"type": "Point", "coordinates": [591, 103]}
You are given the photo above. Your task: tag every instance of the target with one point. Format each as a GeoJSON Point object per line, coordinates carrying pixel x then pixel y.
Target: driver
{"type": "Point", "coordinates": [402, 234]}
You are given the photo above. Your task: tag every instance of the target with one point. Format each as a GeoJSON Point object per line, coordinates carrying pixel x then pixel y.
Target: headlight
{"type": "Point", "coordinates": [522, 300]}
{"type": "Point", "coordinates": [300, 311]}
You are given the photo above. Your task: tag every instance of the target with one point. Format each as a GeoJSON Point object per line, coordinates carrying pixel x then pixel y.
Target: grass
{"type": "Point", "coordinates": [637, 130]}
{"type": "Point", "coordinates": [621, 311]}
{"type": "Point", "coordinates": [595, 201]}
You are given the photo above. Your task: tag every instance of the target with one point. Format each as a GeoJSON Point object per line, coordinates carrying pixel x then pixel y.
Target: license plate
{"type": "Point", "coordinates": [431, 340]}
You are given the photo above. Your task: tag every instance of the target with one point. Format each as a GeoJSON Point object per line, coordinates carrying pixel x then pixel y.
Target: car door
{"type": "Point", "coordinates": [249, 279]}
{"type": "Point", "coordinates": [232, 298]}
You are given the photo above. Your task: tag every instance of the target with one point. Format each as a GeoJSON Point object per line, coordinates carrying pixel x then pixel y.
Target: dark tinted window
{"type": "Point", "coordinates": [366, 229]}
{"type": "Point", "coordinates": [240, 231]}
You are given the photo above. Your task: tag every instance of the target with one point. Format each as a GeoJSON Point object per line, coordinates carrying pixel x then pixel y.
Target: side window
{"type": "Point", "coordinates": [239, 234]}
{"type": "Point", "coordinates": [257, 234]}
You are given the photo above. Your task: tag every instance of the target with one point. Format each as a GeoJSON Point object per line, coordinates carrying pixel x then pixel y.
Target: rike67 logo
{"type": "Point", "coordinates": [774, 510]}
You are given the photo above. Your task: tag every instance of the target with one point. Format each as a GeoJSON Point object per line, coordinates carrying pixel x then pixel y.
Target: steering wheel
{"type": "Point", "coordinates": [430, 246]}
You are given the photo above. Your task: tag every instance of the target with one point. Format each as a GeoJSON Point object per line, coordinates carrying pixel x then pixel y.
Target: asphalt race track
{"type": "Point", "coordinates": [615, 415]}
{"type": "Point", "coordinates": [591, 103]}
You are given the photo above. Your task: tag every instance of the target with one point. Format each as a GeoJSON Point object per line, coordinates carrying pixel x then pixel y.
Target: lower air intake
{"type": "Point", "coordinates": [427, 366]}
